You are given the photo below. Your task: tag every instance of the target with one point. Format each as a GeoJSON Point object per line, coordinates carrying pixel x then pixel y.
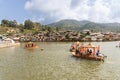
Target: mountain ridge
{"type": "Point", "coordinates": [71, 24]}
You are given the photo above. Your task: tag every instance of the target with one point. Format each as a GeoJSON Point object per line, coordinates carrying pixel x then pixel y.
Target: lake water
{"type": "Point", "coordinates": [56, 63]}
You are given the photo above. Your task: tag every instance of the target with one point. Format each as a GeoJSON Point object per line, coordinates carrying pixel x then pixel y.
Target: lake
{"type": "Point", "coordinates": [55, 62]}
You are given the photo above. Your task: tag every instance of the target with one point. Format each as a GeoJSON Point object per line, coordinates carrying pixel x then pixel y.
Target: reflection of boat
{"type": "Point", "coordinates": [88, 52]}
{"type": "Point", "coordinates": [31, 45]}
{"type": "Point", "coordinates": [8, 43]}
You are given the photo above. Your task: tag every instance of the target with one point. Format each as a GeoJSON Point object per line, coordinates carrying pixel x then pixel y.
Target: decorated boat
{"type": "Point", "coordinates": [88, 51]}
{"type": "Point", "coordinates": [30, 45]}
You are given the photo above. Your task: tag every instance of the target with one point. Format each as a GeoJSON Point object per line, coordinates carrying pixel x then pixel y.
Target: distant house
{"type": "Point", "coordinates": [100, 37]}
{"type": "Point", "coordinates": [114, 36]}
{"type": "Point", "coordinates": [107, 36]}
{"type": "Point", "coordinates": [94, 37]}
{"type": "Point", "coordinates": [111, 36]}
{"type": "Point", "coordinates": [88, 38]}
{"type": "Point", "coordinates": [118, 36]}
{"type": "Point", "coordinates": [86, 31]}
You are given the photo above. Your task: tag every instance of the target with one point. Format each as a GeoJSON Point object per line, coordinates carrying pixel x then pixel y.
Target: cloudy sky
{"type": "Point", "coordinates": [47, 11]}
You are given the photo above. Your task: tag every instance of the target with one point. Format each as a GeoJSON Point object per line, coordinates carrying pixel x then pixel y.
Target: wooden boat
{"type": "Point", "coordinates": [8, 43]}
{"type": "Point", "coordinates": [31, 45]}
{"type": "Point", "coordinates": [83, 52]}
{"type": "Point", "coordinates": [90, 57]}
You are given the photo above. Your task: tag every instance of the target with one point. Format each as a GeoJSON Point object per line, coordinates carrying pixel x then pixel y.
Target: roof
{"type": "Point", "coordinates": [90, 46]}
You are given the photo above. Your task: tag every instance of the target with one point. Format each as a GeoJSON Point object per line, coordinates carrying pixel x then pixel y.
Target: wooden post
{"type": "Point", "coordinates": [94, 54]}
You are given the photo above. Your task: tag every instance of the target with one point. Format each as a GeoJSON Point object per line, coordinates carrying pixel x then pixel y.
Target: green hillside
{"type": "Point", "coordinates": [67, 24]}
{"type": "Point", "coordinates": [81, 25]}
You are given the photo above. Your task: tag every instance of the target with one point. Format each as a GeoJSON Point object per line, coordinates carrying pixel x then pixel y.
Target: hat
{"type": "Point", "coordinates": [77, 42]}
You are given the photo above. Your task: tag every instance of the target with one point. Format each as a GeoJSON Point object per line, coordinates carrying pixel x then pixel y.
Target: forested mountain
{"type": "Point", "coordinates": [67, 24]}
{"type": "Point", "coordinates": [81, 25]}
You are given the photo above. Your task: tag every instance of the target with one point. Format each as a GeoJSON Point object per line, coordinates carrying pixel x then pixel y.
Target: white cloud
{"type": "Point", "coordinates": [94, 10]}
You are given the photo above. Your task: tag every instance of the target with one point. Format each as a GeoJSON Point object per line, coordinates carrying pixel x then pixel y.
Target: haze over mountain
{"type": "Point", "coordinates": [70, 24]}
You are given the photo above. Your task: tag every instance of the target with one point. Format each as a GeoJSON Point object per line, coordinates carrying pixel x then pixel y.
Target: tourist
{"type": "Point", "coordinates": [77, 47]}
{"type": "Point", "coordinates": [99, 54]}
{"type": "Point", "coordinates": [72, 48]}
{"type": "Point", "coordinates": [90, 51]}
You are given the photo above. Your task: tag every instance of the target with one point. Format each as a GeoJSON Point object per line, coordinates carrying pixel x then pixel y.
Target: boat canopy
{"type": "Point", "coordinates": [89, 47]}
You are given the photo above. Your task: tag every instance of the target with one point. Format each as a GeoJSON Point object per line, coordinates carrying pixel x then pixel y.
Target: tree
{"type": "Point", "coordinates": [57, 29]}
{"type": "Point", "coordinates": [83, 35]}
{"type": "Point", "coordinates": [28, 24]}
{"type": "Point", "coordinates": [67, 36]}
{"type": "Point", "coordinates": [4, 22]}
{"type": "Point", "coordinates": [49, 29]}
{"type": "Point", "coordinates": [7, 23]}
{"type": "Point", "coordinates": [21, 27]}
{"type": "Point", "coordinates": [88, 33]}
{"type": "Point", "coordinates": [37, 27]}
{"type": "Point", "coordinates": [13, 23]}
